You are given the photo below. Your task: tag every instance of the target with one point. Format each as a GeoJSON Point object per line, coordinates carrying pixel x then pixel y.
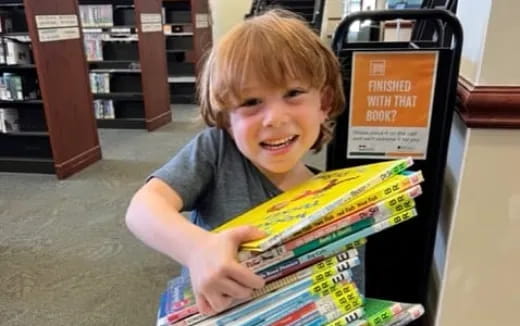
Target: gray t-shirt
{"type": "Point", "coordinates": [216, 182]}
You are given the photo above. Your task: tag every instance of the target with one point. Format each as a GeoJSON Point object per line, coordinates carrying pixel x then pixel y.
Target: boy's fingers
{"type": "Point", "coordinates": [246, 277]}
{"type": "Point", "coordinates": [245, 233]}
{"type": "Point", "coordinates": [234, 289]}
{"type": "Point", "coordinates": [203, 305]}
{"type": "Point", "coordinates": [219, 302]}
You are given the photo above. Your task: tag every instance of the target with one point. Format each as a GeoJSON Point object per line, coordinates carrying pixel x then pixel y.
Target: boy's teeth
{"type": "Point", "coordinates": [279, 141]}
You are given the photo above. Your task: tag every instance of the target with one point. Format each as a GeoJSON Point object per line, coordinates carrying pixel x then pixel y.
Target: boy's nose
{"type": "Point", "coordinates": [275, 116]}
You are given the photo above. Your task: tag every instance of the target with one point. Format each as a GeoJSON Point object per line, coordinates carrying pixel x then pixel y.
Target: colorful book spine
{"type": "Point", "coordinates": [392, 168]}
{"type": "Point", "coordinates": [392, 186]}
{"type": "Point", "coordinates": [347, 319]}
{"type": "Point", "coordinates": [327, 309]}
{"type": "Point", "coordinates": [315, 274]}
{"type": "Point", "coordinates": [279, 254]}
{"type": "Point", "coordinates": [410, 313]}
{"type": "Point", "coordinates": [323, 309]}
{"type": "Point", "coordinates": [378, 211]}
{"type": "Point", "coordinates": [308, 286]}
{"type": "Point", "coordinates": [395, 184]}
{"type": "Point", "coordinates": [334, 248]}
{"type": "Point", "coordinates": [339, 229]}
{"type": "Point", "coordinates": [291, 303]}
{"type": "Point", "coordinates": [341, 262]}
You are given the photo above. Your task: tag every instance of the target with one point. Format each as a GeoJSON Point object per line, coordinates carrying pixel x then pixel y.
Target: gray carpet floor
{"type": "Point", "coordinates": [66, 257]}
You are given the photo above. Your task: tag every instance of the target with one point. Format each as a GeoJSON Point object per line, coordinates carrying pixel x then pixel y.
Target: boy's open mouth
{"type": "Point", "coordinates": [279, 143]}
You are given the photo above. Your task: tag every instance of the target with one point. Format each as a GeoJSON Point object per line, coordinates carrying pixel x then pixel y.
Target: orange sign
{"type": "Point", "coordinates": [391, 95]}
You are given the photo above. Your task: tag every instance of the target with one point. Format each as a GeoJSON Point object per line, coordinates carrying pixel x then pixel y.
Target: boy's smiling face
{"type": "Point", "coordinates": [274, 128]}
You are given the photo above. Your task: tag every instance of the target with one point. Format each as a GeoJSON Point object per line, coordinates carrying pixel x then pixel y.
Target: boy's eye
{"type": "Point", "coordinates": [294, 92]}
{"type": "Point", "coordinates": [251, 102]}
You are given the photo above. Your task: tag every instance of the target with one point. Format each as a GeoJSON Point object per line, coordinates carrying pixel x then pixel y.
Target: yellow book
{"type": "Point", "coordinates": [395, 184]}
{"type": "Point", "coordinates": [293, 210]}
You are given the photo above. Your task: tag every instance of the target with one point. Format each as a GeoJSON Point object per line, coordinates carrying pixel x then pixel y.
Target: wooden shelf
{"type": "Point", "coordinates": [70, 142]}
{"type": "Point", "coordinates": [122, 123]}
{"type": "Point", "coordinates": [25, 134]}
{"type": "Point", "coordinates": [182, 79]}
{"type": "Point", "coordinates": [124, 96]}
{"type": "Point", "coordinates": [6, 68]}
{"type": "Point", "coordinates": [116, 71]}
{"type": "Point", "coordinates": [27, 165]}
{"type": "Point", "coordinates": [5, 103]}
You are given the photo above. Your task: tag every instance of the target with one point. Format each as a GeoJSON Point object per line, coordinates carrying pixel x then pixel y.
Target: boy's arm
{"type": "Point", "coordinates": [153, 217]}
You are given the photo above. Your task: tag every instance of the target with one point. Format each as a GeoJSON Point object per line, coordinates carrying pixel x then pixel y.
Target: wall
{"type": "Point", "coordinates": [477, 252]}
{"type": "Point", "coordinates": [227, 13]}
{"type": "Point", "coordinates": [500, 56]}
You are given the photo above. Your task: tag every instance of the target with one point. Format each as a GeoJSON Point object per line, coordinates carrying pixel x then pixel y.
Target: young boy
{"type": "Point", "coordinates": [268, 93]}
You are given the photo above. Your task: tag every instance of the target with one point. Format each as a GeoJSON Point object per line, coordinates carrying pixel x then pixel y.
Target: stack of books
{"type": "Point", "coordinates": [311, 250]}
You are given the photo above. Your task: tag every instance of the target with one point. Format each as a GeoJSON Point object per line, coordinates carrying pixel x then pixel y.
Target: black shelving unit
{"type": "Point", "coordinates": [41, 130]}
{"type": "Point", "coordinates": [310, 10]}
{"type": "Point", "coordinates": [125, 61]}
{"type": "Point", "coordinates": [179, 32]}
{"type": "Point", "coordinates": [121, 63]}
{"type": "Point", "coordinates": [28, 148]}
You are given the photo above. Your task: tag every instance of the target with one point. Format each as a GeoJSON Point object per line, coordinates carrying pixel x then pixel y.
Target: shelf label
{"type": "Point", "coordinates": [53, 21]}
{"type": "Point", "coordinates": [147, 28]}
{"type": "Point", "coordinates": [201, 20]}
{"type": "Point", "coordinates": [151, 19]}
{"type": "Point", "coordinates": [58, 34]}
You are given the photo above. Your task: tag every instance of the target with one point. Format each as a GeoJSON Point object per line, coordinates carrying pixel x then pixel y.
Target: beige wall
{"type": "Point", "coordinates": [480, 285]}
{"type": "Point", "coordinates": [500, 64]}
{"type": "Point", "coordinates": [474, 16]}
{"type": "Point", "coordinates": [477, 252]}
{"type": "Point", "coordinates": [227, 13]}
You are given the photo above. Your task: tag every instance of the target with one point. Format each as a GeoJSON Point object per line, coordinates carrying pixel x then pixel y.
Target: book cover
{"type": "Point", "coordinates": [293, 210]}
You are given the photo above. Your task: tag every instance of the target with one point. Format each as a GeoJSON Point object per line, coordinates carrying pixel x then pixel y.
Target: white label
{"type": "Point", "coordinates": [121, 30]}
{"type": "Point", "coordinates": [50, 21]}
{"type": "Point", "coordinates": [201, 20]}
{"type": "Point", "coordinates": [58, 34]}
{"type": "Point", "coordinates": [49, 34]}
{"type": "Point", "coordinates": [147, 28]}
{"type": "Point", "coordinates": [70, 33]}
{"type": "Point", "coordinates": [151, 19]}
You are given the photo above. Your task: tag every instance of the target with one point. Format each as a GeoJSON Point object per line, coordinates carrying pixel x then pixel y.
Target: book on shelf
{"type": "Point", "coordinates": [96, 15]}
{"type": "Point", "coordinates": [14, 87]}
{"type": "Point", "coordinates": [308, 270]}
{"type": "Point", "coordinates": [99, 82]}
{"type": "Point", "coordinates": [9, 120]}
{"type": "Point", "coordinates": [93, 46]}
{"type": "Point", "coordinates": [6, 23]}
{"type": "Point", "coordinates": [104, 109]}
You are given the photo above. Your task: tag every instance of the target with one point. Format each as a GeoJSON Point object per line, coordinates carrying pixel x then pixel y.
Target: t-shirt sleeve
{"type": "Point", "coordinates": [192, 169]}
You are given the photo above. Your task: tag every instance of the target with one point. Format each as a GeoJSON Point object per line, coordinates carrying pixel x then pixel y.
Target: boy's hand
{"type": "Point", "coordinates": [217, 278]}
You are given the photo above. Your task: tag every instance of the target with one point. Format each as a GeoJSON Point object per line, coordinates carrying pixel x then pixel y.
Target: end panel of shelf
{"type": "Point", "coordinates": [152, 55]}
{"type": "Point", "coordinates": [67, 105]}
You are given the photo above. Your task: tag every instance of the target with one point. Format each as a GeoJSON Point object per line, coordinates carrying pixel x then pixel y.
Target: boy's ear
{"type": "Point", "coordinates": [326, 100]}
